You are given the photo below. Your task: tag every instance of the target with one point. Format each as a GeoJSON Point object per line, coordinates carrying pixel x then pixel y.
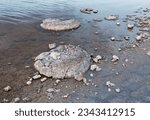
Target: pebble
{"type": "Point", "coordinates": [113, 38]}
{"type": "Point", "coordinates": [52, 46]}
{"type": "Point", "coordinates": [119, 49]}
{"type": "Point", "coordinates": [96, 33]}
{"type": "Point", "coordinates": [134, 46]}
{"type": "Point", "coordinates": [50, 90]}
{"type": "Point", "coordinates": [148, 53]}
{"type": "Point", "coordinates": [58, 81]}
{"type": "Point", "coordinates": [126, 60]}
{"type": "Point", "coordinates": [110, 84]}
{"type": "Point", "coordinates": [36, 77]}
{"type": "Point", "coordinates": [117, 90]}
{"type": "Point", "coordinates": [78, 77]}
{"type": "Point", "coordinates": [16, 100]}
{"type": "Point", "coordinates": [138, 38]}
{"type": "Point", "coordinates": [9, 63]}
{"type": "Point", "coordinates": [91, 75]}
{"type": "Point", "coordinates": [95, 11]}
{"type": "Point", "coordinates": [109, 89]}
{"type": "Point", "coordinates": [95, 67]}
{"type": "Point", "coordinates": [126, 37]}
{"type": "Point", "coordinates": [29, 82]}
{"type": "Point", "coordinates": [118, 23]}
{"type": "Point", "coordinates": [97, 58]}
{"type": "Point", "coordinates": [66, 96]}
{"type": "Point", "coordinates": [115, 58]}
{"type": "Point", "coordinates": [85, 81]}
{"type": "Point", "coordinates": [43, 79]}
{"type": "Point", "coordinates": [130, 26]}
{"type": "Point", "coordinates": [7, 88]}
{"type": "Point", "coordinates": [124, 65]}
{"type": "Point", "coordinates": [26, 99]}
{"type": "Point", "coordinates": [27, 66]}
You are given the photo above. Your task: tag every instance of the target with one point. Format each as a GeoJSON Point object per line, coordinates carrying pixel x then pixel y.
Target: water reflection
{"type": "Point", "coordinates": [25, 10]}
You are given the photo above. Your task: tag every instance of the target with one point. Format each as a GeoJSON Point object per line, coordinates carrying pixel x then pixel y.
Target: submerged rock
{"type": "Point", "coordinates": [65, 61]}
{"type": "Point", "coordinates": [111, 17]}
{"type": "Point", "coordinates": [130, 26]}
{"type": "Point", "coordinates": [7, 88]}
{"type": "Point", "coordinates": [59, 25]}
{"type": "Point", "coordinates": [115, 58]}
{"type": "Point", "coordinates": [88, 10]}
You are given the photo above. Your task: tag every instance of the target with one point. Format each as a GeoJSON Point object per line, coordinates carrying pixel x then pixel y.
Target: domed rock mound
{"type": "Point", "coordinates": [65, 61]}
{"type": "Point", "coordinates": [59, 25]}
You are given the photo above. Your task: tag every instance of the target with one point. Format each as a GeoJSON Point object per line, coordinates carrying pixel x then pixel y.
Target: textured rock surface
{"type": "Point", "coordinates": [59, 25]}
{"type": "Point", "coordinates": [65, 61]}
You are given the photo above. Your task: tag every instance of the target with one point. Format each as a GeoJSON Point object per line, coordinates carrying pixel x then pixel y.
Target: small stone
{"type": "Point", "coordinates": [95, 49]}
{"type": "Point", "coordinates": [96, 93]}
{"type": "Point", "coordinates": [115, 58]}
{"type": "Point", "coordinates": [50, 90]}
{"type": "Point", "coordinates": [126, 37]}
{"type": "Point", "coordinates": [95, 11]}
{"type": "Point", "coordinates": [130, 26]}
{"type": "Point", "coordinates": [138, 38]}
{"type": "Point", "coordinates": [113, 38]}
{"type": "Point", "coordinates": [85, 81]}
{"type": "Point", "coordinates": [43, 79]}
{"type": "Point", "coordinates": [124, 65]}
{"type": "Point", "coordinates": [112, 84]}
{"type": "Point", "coordinates": [58, 81]}
{"type": "Point", "coordinates": [108, 83]}
{"type": "Point", "coordinates": [134, 46]}
{"type": "Point", "coordinates": [117, 73]}
{"type": "Point", "coordinates": [16, 100]}
{"type": "Point", "coordinates": [7, 88]}
{"type": "Point", "coordinates": [29, 82]}
{"type": "Point", "coordinates": [78, 77]}
{"type": "Point", "coordinates": [9, 63]}
{"type": "Point", "coordinates": [36, 77]}
{"type": "Point", "coordinates": [91, 75]}
{"type": "Point", "coordinates": [148, 53]}
{"type": "Point", "coordinates": [77, 98]}
{"type": "Point", "coordinates": [93, 67]}
{"type": "Point", "coordinates": [126, 60]}
{"type": "Point", "coordinates": [118, 23]}
{"type": "Point", "coordinates": [96, 33]}
{"type": "Point", "coordinates": [109, 89]}
{"type": "Point", "coordinates": [97, 58]}
{"type": "Point", "coordinates": [52, 46]}
{"type": "Point", "coordinates": [66, 96]}
{"type": "Point", "coordinates": [111, 17]}
{"type": "Point", "coordinates": [117, 90]}
{"type": "Point", "coordinates": [27, 66]}
{"type": "Point", "coordinates": [119, 49]}
{"type": "Point", "coordinates": [26, 99]}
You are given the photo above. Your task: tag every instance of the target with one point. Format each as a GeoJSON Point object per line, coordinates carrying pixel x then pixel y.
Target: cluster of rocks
{"type": "Point", "coordinates": [110, 86]}
{"type": "Point", "coordinates": [88, 10]}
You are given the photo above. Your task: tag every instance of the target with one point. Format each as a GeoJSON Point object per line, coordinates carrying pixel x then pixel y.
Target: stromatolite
{"type": "Point", "coordinates": [65, 61]}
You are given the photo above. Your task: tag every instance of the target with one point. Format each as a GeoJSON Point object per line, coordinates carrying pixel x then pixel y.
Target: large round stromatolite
{"type": "Point", "coordinates": [59, 25]}
{"type": "Point", "coordinates": [65, 61]}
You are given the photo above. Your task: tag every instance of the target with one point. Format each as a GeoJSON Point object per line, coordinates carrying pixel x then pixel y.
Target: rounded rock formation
{"type": "Point", "coordinates": [65, 61]}
{"type": "Point", "coordinates": [59, 25]}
